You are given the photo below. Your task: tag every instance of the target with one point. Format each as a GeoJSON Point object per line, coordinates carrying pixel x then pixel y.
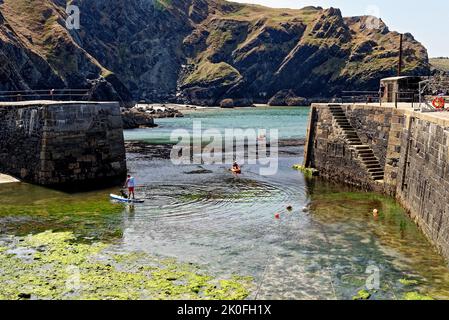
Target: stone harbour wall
{"type": "Point", "coordinates": [412, 146]}
{"type": "Point", "coordinates": [423, 187]}
{"type": "Point", "coordinates": [62, 144]}
{"type": "Point", "coordinates": [327, 147]}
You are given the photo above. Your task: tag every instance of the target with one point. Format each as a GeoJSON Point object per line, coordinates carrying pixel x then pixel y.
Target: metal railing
{"type": "Point", "coordinates": [360, 96]}
{"type": "Point", "coordinates": [48, 94]}
{"type": "Point", "coordinates": [411, 97]}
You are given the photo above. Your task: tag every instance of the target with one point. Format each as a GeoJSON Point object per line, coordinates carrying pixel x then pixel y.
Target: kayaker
{"type": "Point", "coordinates": [236, 168]}
{"type": "Point", "coordinates": [130, 184]}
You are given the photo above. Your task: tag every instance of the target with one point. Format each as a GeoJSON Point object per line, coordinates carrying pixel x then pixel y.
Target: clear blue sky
{"type": "Point", "coordinates": [427, 20]}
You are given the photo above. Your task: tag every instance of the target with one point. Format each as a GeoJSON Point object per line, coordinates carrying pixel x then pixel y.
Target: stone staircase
{"type": "Point", "coordinates": [364, 152]}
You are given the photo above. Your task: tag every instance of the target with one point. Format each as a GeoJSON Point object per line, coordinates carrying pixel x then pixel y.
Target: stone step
{"type": "Point", "coordinates": [380, 178]}
{"type": "Point", "coordinates": [363, 146]}
{"type": "Point", "coordinates": [377, 174]}
{"type": "Point", "coordinates": [371, 162]}
{"type": "Point", "coordinates": [365, 152]}
{"type": "Point", "coordinates": [369, 159]}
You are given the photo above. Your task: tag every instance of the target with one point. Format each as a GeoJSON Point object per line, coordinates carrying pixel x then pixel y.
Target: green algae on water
{"type": "Point", "coordinates": [416, 296]}
{"type": "Point", "coordinates": [53, 266]}
{"type": "Point", "coordinates": [362, 295]}
{"type": "Point", "coordinates": [308, 172]}
{"type": "Point", "coordinates": [408, 282]}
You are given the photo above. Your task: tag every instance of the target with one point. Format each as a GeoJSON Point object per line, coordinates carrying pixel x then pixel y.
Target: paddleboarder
{"type": "Point", "coordinates": [130, 184]}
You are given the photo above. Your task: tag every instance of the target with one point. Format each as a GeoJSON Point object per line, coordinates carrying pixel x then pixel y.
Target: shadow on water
{"type": "Point", "coordinates": [31, 209]}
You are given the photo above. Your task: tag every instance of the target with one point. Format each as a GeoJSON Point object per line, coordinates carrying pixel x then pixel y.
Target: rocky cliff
{"type": "Point", "coordinates": [197, 51]}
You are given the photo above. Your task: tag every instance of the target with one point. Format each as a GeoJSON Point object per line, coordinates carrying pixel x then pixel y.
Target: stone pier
{"type": "Point", "coordinates": [411, 147]}
{"type": "Point", "coordinates": [62, 144]}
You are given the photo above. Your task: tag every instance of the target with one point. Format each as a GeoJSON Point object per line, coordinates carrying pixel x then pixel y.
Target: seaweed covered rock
{"type": "Point", "coordinates": [236, 103]}
{"type": "Point", "coordinates": [133, 119]}
{"type": "Point", "coordinates": [287, 98]}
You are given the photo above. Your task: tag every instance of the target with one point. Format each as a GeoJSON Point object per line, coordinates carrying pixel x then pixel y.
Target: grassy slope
{"type": "Point", "coordinates": [382, 58]}
{"type": "Point", "coordinates": [240, 14]}
{"type": "Point", "coordinates": [440, 64]}
{"type": "Point", "coordinates": [39, 26]}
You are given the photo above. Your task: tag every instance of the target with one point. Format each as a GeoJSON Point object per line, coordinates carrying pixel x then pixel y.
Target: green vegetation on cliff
{"type": "Point", "coordinates": [208, 72]}
{"type": "Point", "coordinates": [441, 64]}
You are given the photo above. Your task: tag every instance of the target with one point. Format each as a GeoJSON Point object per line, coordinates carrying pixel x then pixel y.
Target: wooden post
{"type": "Point", "coordinates": [400, 55]}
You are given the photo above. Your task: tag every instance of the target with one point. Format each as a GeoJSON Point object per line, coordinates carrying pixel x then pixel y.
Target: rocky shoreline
{"type": "Point", "coordinates": [143, 115]}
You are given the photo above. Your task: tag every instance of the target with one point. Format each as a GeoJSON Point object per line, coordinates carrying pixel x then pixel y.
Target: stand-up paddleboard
{"type": "Point", "coordinates": [121, 199]}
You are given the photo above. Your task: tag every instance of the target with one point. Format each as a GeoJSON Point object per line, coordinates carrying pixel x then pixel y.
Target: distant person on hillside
{"type": "Point", "coordinates": [130, 184]}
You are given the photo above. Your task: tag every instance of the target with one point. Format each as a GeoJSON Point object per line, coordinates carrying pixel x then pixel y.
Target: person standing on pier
{"type": "Point", "coordinates": [130, 184]}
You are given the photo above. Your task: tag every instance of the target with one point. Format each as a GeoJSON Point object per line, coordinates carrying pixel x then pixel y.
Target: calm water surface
{"type": "Point", "coordinates": [204, 215]}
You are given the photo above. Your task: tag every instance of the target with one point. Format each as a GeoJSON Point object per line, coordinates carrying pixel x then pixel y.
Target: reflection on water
{"type": "Point", "coordinates": [205, 215]}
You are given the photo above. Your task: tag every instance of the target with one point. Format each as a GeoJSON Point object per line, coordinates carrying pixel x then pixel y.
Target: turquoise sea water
{"type": "Point", "coordinates": [290, 122]}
